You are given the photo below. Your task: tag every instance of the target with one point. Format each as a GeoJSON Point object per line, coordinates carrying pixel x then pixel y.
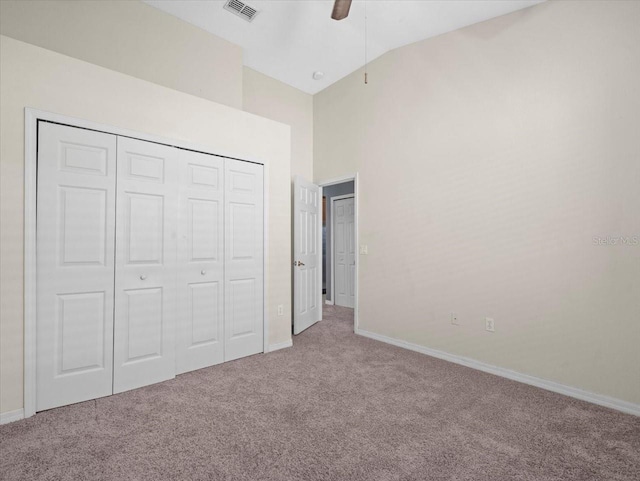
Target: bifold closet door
{"type": "Point", "coordinates": [199, 333]}
{"type": "Point", "coordinates": [75, 264]}
{"type": "Point", "coordinates": [145, 284]}
{"type": "Point", "coordinates": [244, 303]}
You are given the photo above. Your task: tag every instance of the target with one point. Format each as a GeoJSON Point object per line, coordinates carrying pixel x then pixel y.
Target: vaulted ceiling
{"type": "Point", "coordinates": [289, 40]}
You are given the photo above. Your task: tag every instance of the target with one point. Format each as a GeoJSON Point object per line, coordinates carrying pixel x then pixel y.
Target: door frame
{"type": "Point", "coordinates": [340, 180]}
{"type": "Point", "coordinates": [31, 118]}
{"type": "Point", "coordinates": [333, 266]}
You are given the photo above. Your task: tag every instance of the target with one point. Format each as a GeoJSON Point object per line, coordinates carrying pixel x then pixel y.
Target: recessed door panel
{"type": "Point", "coordinates": [83, 158]}
{"type": "Point", "coordinates": [313, 286]}
{"type": "Point", "coordinates": [351, 255]}
{"type": "Point", "coordinates": [75, 264]}
{"type": "Point", "coordinates": [200, 262]}
{"type": "Point", "coordinates": [80, 332]}
{"type": "Point", "coordinates": [242, 228]}
{"type": "Point", "coordinates": [242, 315]}
{"type": "Point", "coordinates": [204, 313]}
{"type": "Point", "coordinates": [143, 323]}
{"type": "Point", "coordinates": [145, 294]}
{"type": "Point", "coordinates": [204, 226]}
{"type": "Point", "coordinates": [302, 290]}
{"type": "Point", "coordinates": [351, 280]}
{"type": "Point", "coordinates": [341, 279]}
{"type": "Point", "coordinates": [144, 167]}
{"type": "Point", "coordinates": [312, 237]}
{"type": "Point", "coordinates": [204, 176]}
{"type": "Point", "coordinates": [340, 238]}
{"type": "Point", "coordinates": [144, 237]}
{"type": "Point", "coordinates": [351, 236]}
{"type": "Point", "coordinates": [243, 270]}
{"type": "Point", "coordinates": [241, 181]}
{"type": "Point", "coordinates": [303, 233]}
{"type": "Point", "coordinates": [82, 225]}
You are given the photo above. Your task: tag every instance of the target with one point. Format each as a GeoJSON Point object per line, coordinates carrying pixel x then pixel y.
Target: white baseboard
{"type": "Point", "coordinates": [280, 345]}
{"type": "Point", "coordinates": [11, 416]}
{"type": "Point", "coordinates": [328, 302]}
{"type": "Point", "coordinates": [599, 399]}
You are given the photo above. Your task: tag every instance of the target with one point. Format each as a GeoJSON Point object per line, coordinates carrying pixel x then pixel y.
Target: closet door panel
{"type": "Point", "coordinates": [244, 241]}
{"type": "Point", "coordinates": [200, 262]}
{"type": "Point", "coordinates": [145, 283]}
{"type": "Point", "coordinates": [75, 264]}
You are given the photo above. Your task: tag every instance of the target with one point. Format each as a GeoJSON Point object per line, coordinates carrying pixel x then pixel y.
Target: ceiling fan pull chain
{"type": "Point", "coordinates": [366, 79]}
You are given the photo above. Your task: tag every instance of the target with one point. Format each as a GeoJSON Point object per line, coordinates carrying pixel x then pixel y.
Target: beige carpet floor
{"type": "Point", "coordinates": [336, 406]}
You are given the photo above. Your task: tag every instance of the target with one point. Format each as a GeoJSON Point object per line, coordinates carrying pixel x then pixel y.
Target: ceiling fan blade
{"type": "Point", "coordinates": [341, 9]}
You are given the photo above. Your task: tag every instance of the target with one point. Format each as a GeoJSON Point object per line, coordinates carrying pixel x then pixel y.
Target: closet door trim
{"type": "Point", "coordinates": [31, 118]}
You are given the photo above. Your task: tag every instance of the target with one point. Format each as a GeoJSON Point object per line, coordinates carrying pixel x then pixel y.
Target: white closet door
{"type": "Point", "coordinates": [199, 332]}
{"type": "Point", "coordinates": [344, 251]}
{"type": "Point", "coordinates": [75, 251]}
{"type": "Point", "coordinates": [145, 287]}
{"type": "Point", "coordinates": [243, 318]}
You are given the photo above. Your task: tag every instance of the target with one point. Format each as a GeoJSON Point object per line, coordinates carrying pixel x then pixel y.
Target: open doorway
{"type": "Point", "coordinates": [325, 216]}
{"type": "Point", "coordinates": [339, 250]}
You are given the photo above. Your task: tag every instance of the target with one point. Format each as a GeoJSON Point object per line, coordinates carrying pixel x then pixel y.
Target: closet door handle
{"type": "Point", "coordinates": [203, 272]}
{"type": "Point", "coordinates": [143, 277]}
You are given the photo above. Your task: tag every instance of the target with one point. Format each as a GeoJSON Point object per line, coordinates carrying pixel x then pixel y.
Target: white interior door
{"type": "Point", "coordinates": [199, 332]}
{"type": "Point", "coordinates": [145, 286]}
{"type": "Point", "coordinates": [307, 255]}
{"type": "Point", "coordinates": [344, 251]}
{"type": "Point", "coordinates": [75, 264]}
{"type": "Point", "coordinates": [244, 244]}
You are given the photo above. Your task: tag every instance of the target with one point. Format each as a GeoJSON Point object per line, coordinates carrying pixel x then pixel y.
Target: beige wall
{"type": "Point", "coordinates": [489, 158]}
{"type": "Point", "coordinates": [133, 38]}
{"type": "Point", "coordinates": [275, 100]}
{"type": "Point", "coordinates": [38, 78]}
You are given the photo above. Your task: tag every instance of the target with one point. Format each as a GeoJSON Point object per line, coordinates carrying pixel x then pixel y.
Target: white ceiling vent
{"type": "Point", "coordinates": [241, 9]}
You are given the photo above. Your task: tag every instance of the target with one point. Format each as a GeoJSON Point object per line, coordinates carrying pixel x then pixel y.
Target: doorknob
{"type": "Point", "coordinates": [143, 277]}
{"type": "Point", "coordinates": [300, 263]}
{"type": "Point", "coordinates": [203, 272]}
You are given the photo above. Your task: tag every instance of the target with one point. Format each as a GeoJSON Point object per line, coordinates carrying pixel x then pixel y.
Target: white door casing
{"type": "Point", "coordinates": [344, 251]}
{"type": "Point", "coordinates": [199, 332]}
{"type": "Point", "coordinates": [307, 255]}
{"type": "Point", "coordinates": [75, 264]}
{"type": "Point", "coordinates": [145, 286]}
{"type": "Point", "coordinates": [244, 253]}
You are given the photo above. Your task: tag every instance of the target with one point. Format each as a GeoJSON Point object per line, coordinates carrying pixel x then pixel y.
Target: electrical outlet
{"type": "Point", "coordinates": [280, 310]}
{"type": "Point", "coordinates": [489, 324]}
{"type": "Point", "coordinates": [454, 319]}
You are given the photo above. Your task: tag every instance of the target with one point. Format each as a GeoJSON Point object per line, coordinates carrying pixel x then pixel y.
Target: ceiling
{"type": "Point", "coordinates": [290, 39]}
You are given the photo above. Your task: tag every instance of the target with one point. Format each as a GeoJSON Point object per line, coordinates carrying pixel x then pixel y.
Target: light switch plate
{"type": "Point", "coordinates": [364, 249]}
